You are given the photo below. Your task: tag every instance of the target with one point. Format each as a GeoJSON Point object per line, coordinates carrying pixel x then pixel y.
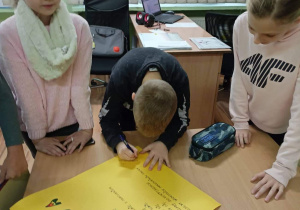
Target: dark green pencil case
{"type": "Point", "coordinates": [212, 141]}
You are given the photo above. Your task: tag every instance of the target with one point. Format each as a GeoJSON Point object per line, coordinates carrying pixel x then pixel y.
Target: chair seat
{"type": "Point", "coordinates": [103, 66]}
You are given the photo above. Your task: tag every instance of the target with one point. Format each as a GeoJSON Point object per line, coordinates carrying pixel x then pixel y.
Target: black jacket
{"type": "Point", "coordinates": [126, 78]}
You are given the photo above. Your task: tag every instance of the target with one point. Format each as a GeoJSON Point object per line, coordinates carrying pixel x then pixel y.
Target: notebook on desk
{"type": "Point", "coordinates": [153, 7]}
{"type": "Point", "coordinates": [164, 41]}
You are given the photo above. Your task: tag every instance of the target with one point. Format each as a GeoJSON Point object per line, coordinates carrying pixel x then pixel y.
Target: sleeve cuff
{"type": "Point", "coordinates": [241, 125]}
{"type": "Point", "coordinates": [280, 173]}
{"type": "Point", "coordinates": [16, 140]}
{"type": "Point", "coordinates": [166, 140]}
{"type": "Point", "coordinates": [36, 134]}
{"type": "Point", "coordinates": [88, 124]}
{"type": "Point", "coordinates": [113, 142]}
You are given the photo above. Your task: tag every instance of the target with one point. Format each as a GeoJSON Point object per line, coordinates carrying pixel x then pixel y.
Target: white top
{"type": "Point", "coordinates": [266, 89]}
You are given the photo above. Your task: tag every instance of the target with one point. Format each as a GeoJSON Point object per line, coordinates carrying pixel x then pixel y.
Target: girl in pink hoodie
{"type": "Point", "coordinates": [45, 56]}
{"type": "Point", "coordinates": [266, 85]}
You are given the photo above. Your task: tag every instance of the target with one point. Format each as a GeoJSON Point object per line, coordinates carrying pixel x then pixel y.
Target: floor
{"type": "Point", "coordinates": [96, 101]}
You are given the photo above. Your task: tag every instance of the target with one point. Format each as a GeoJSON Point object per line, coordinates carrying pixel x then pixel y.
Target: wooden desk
{"type": "Point", "coordinates": [202, 67]}
{"type": "Point", "coordinates": [226, 178]}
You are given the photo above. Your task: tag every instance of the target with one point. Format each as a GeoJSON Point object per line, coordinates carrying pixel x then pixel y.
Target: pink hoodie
{"type": "Point", "coordinates": [266, 89]}
{"type": "Point", "coordinates": [45, 106]}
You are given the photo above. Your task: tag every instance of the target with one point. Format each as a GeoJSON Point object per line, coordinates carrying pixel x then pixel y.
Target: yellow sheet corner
{"type": "Point", "coordinates": [119, 185]}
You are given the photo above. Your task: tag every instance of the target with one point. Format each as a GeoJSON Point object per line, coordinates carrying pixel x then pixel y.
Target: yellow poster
{"type": "Point", "coordinates": [120, 185]}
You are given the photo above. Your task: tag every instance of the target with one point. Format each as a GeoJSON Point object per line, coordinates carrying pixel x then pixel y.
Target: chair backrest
{"type": "Point", "coordinates": [221, 27]}
{"type": "Point", "coordinates": [112, 13]}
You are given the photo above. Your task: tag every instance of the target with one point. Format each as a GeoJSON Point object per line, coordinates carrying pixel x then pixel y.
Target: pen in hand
{"type": "Point", "coordinates": [126, 143]}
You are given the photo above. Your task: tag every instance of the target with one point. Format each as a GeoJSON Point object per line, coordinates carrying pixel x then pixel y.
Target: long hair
{"type": "Point", "coordinates": [279, 10]}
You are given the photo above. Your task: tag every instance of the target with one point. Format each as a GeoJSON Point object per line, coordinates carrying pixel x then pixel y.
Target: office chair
{"type": "Point", "coordinates": [112, 14]}
{"type": "Point", "coordinates": [221, 27]}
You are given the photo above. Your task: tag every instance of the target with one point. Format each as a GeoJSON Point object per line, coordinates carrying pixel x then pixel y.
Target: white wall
{"type": "Point", "coordinates": [5, 2]}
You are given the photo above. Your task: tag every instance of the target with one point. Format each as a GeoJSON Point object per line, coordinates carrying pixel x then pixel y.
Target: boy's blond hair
{"type": "Point", "coordinates": [284, 11]}
{"type": "Point", "coordinates": [154, 106]}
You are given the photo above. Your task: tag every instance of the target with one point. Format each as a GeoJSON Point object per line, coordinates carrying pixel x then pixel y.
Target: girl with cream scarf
{"type": "Point", "coordinates": [45, 56]}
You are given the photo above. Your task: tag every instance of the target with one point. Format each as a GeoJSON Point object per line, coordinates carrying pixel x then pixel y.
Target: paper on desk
{"type": "Point", "coordinates": [182, 25]}
{"type": "Point", "coordinates": [118, 184]}
{"type": "Point", "coordinates": [209, 43]}
{"type": "Point", "coordinates": [158, 31]}
{"type": "Point", "coordinates": [173, 45]}
{"type": "Point", "coordinates": [164, 41]}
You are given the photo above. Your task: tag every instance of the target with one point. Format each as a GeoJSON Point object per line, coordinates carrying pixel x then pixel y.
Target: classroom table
{"type": "Point", "coordinates": [202, 67]}
{"type": "Point", "coordinates": [225, 178]}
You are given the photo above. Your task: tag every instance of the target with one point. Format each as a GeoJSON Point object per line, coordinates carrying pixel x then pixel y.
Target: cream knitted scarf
{"type": "Point", "coordinates": [49, 52]}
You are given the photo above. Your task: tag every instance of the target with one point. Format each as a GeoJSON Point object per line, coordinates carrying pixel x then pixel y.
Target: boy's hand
{"type": "Point", "coordinates": [124, 153]}
{"type": "Point", "coordinates": [242, 137]}
{"type": "Point", "coordinates": [267, 183]}
{"type": "Point", "coordinates": [50, 146]}
{"type": "Point", "coordinates": [80, 137]}
{"type": "Point", "coordinates": [15, 163]}
{"type": "Point", "coordinates": [158, 153]}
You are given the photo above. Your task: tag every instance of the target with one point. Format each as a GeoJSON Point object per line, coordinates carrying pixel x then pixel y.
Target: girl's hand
{"type": "Point", "coordinates": [242, 137]}
{"type": "Point", "coordinates": [80, 137]}
{"type": "Point", "coordinates": [267, 183]}
{"type": "Point", "coordinates": [50, 146]}
{"type": "Point", "coordinates": [15, 163]}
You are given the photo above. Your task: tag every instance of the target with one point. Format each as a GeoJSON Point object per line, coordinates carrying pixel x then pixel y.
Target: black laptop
{"type": "Point", "coordinates": [153, 7]}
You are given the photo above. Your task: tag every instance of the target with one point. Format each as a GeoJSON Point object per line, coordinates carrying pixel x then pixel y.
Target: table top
{"type": "Point", "coordinates": [226, 178]}
{"type": "Point", "coordinates": [184, 32]}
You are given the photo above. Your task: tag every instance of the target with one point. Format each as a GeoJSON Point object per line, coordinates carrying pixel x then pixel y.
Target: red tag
{"type": "Point", "coordinates": [116, 49]}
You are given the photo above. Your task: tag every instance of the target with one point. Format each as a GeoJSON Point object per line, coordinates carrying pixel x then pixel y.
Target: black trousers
{"type": "Point", "coordinates": [65, 131]}
{"type": "Point", "coordinates": [278, 138]}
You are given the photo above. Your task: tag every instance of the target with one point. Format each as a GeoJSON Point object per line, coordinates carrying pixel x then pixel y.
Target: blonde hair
{"type": "Point", "coordinates": [154, 106]}
{"type": "Point", "coordinates": [279, 10]}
